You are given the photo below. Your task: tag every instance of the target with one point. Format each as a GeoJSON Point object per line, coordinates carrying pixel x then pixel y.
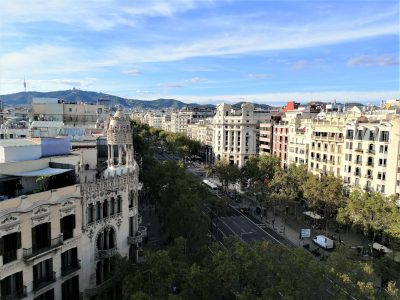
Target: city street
{"type": "Point", "coordinates": [235, 223]}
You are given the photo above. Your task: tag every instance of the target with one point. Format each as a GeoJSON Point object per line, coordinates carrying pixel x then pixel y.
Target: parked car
{"type": "Point", "coordinates": [323, 242]}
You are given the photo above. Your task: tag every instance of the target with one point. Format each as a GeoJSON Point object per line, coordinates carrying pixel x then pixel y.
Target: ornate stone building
{"type": "Point", "coordinates": [62, 218]}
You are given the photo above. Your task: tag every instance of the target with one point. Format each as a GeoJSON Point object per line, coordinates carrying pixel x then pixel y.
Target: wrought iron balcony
{"type": "Point", "coordinates": [143, 230]}
{"type": "Point", "coordinates": [71, 268]}
{"type": "Point", "coordinates": [44, 281]}
{"type": "Point", "coordinates": [136, 239]}
{"type": "Point", "coordinates": [100, 254]}
{"type": "Point", "coordinates": [359, 150]}
{"type": "Point", "coordinates": [37, 249]}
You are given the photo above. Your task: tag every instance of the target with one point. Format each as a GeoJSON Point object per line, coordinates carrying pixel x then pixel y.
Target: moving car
{"type": "Point", "coordinates": [323, 242]}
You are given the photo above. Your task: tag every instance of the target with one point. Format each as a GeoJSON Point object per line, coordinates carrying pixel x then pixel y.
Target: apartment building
{"type": "Point", "coordinates": [266, 138]}
{"type": "Point", "coordinates": [299, 140]}
{"type": "Point", "coordinates": [371, 154]}
{"type": "Point", "coordinates": [70, 113]}
{"type": "Point", "coordinates": [62, 219]}
{"type": "Point", "coordinates": [236, 132]}
{"type": "Point", "coordinates": [327, 143]}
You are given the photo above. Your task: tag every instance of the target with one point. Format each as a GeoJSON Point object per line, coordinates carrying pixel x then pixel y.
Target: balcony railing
{"type": "Point", "coordinates": [371, 151]}
{"type": "Point", "coordinates": [71, 268]}
{"type": "Point", "coordinates": [369, 176]}
{"type": "Point", "coordinates": [143, 230]}
{"type": "Point", "coordinates": [43, 247]}
{"type": "Point", "coordinates": [359, 150]}
{"type": "Point", "coordinates": [100, 254]}
{"type": "Point", "coordinates": [136, 239]}
{"type": "Point", "coordinates": [357, 174]}
{"type": "Point", "coordinates": [370, 164]}
{"type": "Point", "coordinates": [19, 294]}
{"type": "Point", "coordinates": [358, 162]}
{"type": "Point", "coordinates": [44, 281]}
{"type": "Point", "coordinates": [9, 256]}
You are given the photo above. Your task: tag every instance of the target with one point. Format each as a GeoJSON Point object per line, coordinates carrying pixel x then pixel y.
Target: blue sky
{"type": "Point", "coordinates": [202, 50]}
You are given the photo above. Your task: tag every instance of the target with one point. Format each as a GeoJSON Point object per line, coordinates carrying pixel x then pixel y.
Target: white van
{"type": "Point", "coordinates": [323, 242]}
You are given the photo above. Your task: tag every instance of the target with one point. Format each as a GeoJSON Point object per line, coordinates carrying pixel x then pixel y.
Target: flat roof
{"type": "Point", "coordinates": [17, 143]}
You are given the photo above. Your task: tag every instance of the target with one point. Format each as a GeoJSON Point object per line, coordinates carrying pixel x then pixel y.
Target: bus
{"type": "Point", "coordinates": [210, 185]}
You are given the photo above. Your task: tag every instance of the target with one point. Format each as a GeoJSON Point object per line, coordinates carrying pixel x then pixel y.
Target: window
{"type": "Point", "coordinates": [383, 149]}
{"type": "Point", "coordinates": [384, 136]}
{"type": "Point", "coordinates": [43, 274]}
{"type": "Point", "coordinates": [349, 134]}
{"type": "Point", "coordinates": [12, 286]}
{"type": "Point", "coordinates": [67, 225]}
{"type": "Point", "coordinates": [119, 204]}
{"type": "Point", "coordinates": [69, 261]}
{"type": "Point", "coordinates": [9, 244]}
{"type": "Point", "coordinates": [49, 295]}
{"type": "Point", "coordinates": [90, 213]}
{"type": "Point", "coordinates": [41, 236]}
{"type": "Point", "coordinates": [70, 288]}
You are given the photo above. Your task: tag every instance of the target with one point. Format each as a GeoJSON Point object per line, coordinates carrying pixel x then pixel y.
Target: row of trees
{"type": "Point", "coordinates": [248, 271]}
{"type": "Point", "coordinates": [147, 138]}
{"type": "Point", "coordinates": [262, 177]}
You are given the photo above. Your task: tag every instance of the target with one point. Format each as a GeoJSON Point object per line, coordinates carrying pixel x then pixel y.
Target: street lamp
{"type": "Point", "coordinates": [245, 233]}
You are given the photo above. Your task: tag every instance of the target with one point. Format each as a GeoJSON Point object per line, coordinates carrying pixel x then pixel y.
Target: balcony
{"type": "Point", "coordinates": [16, 294]}
{"type": "Point", "coordinates": [359, 150]}
{"type": "Point", "coordinates": [367, 188]}
{"type": "Point", "coordinates": [101, 254]}
{"type": "Point", "coordinates": [136, 239]}
{"type": "Point", "coordinates": [358, 162]}
{"type": "Point", "coordinates": [357, 174]}
{"type": "Point", "coordinates": [66, 270]}
{"type": "Point", "coordinates": [370, 164]}
{"type": "Point", "coordinates": [143, 230]}
{"type": "Point", "coordinates": [369, 176]}
{"type": "Point", "coordinates": [42, 248]}
{"type": "Point", "coordinates": [371, 151]}
{"type": "Point", "coordinates": [44, 281]}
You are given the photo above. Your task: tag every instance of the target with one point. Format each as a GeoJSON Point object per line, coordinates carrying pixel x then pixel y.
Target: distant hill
{"type": "Point", "coordinates": [75, 95]}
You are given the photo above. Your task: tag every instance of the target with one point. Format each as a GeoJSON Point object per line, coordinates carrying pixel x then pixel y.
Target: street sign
{"type": "Point", "coordinates": [305, 233]}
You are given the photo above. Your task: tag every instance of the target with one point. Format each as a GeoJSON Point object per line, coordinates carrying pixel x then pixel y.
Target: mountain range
{"type": "Point", "coordinates": [76, 95]}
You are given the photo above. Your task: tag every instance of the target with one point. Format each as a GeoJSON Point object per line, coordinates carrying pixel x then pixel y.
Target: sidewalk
{"type": "Point", "coordinates": [290, 227]}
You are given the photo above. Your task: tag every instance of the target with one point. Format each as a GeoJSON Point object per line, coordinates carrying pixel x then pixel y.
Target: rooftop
{"type": "Point", "coordinates": [18, 143]}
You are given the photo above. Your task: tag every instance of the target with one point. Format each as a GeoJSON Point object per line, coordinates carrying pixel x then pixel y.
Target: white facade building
{"type": "Point", "coordinates": [62, 219]}
{"type": "Point", "coordinates": [236, 133]}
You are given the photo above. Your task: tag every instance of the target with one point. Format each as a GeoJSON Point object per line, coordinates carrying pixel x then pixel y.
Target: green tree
{"type": "Point", "coordinates": [373, 212]}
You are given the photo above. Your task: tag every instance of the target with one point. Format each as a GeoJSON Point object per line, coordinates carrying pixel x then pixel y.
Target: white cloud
{"type": "Point", "coordinates": [132, 72]}
{"type": "Point", "coordinates": [279, 98]}
{"type": "Point", "coordinates": [183, 83]}
{"type": "Point", "coordinates": [259, 75]}
{"type": "Point", "coordinates": [16, 84]}
{"type": "Point", "coordinates": [385, 60]}
{"type": "Point", "coordinates": [92, 14]}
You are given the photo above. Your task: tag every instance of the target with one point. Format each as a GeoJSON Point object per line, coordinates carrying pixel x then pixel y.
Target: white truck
{"type": "Point", "coordinates": [323, 242]}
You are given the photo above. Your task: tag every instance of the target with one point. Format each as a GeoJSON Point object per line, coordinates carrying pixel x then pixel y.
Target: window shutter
{"type": "Point", "coordinates": [33, 238]}
{"type": "Point", "coordinates": [1, 246]}
{"type": "Point", "coordinates": [62, 225]}
{"type": "Point", "coordinates": [73, 224]}
{"type": "Point", "coordinates": [18, 240]}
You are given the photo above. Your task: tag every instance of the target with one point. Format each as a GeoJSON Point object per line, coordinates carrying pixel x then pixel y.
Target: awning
{"type": "Point", "coordinates": [41, 172]}
{"type": "Point", "coordinates": [313, 215]}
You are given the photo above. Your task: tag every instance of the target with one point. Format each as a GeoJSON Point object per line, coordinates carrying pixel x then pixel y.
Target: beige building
{"type": "Point", "coordinates": [62, 219]}
{"type": "Point", "coordinates": [299, 141]}
{"type": "Point", "coordinates": [327, 143]}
